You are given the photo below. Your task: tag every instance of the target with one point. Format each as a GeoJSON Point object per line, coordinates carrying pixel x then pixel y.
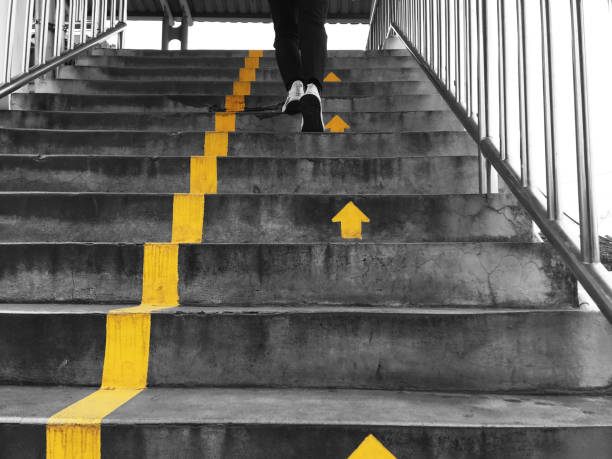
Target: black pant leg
{"type": "Point", "coordinates": [313, 39]}
{"type": "Point", "coordinates": [286, 41]}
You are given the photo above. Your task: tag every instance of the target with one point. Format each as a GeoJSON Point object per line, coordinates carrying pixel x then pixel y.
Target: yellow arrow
{"type": "Point", "coordinates": [371, 448]}
{"type": "Point", "coordinates": [337, 124]}
{"type": "Point", "coordinates": [350, 219]}
{"type": "Point", "coordinates": [332, 78]}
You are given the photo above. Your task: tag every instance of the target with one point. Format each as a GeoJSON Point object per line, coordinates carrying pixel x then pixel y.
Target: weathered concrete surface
{"type": "Point", "coordinates": [367, 61]}
{"type": "Point", "coordinates": [71, 72]}
{"type": "Point", "coordinates": [132, 174]}
{"type": "Point", "coordinates": [197, 103]}
{"type": "Point", "coordinates": [425, 274]}
{"type": "Point", "coordinates": [416, 121]}
{"type": "Point", "coordinates": [260, 144]}
{"type": "Point", "coordinates": [243, 423]}
{"type": "Point", "coordinates": [71, 273]}
{"type": "Point", "coordinates": [492, 274]}
{"type": "Point", "coordinates": [50, 217]}
{"type": "Point", "coordinates": [272, 88]}
{"type": "Point", "coordinates": [375, 348]}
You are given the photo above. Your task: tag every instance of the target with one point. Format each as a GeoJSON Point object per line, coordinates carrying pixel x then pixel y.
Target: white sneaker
{"type": "Point", "coordinates": [312, 110]}
{"type": "Point", "coordinates": [292, 104]}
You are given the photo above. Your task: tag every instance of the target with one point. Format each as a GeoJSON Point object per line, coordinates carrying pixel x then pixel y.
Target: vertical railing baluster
{"type": "Point", "coordinates": [589, 235]}
{"type": "Point", "coordinates": [503, 90]}
{"type": "Point", "coordinates": [550, 147]}
{"type": "Point", "coordinates": [523, 79]}
{"type": "Point", "coordinates": [58, 39]}
{"type": "Point", "coordinates": [9, 33]}
{"type": "Point", "coordinates": [71, 21]}
{"type": "Point", "coordinates": [458, 79]}
{"type": "Point", "coordinates": [449, 81]}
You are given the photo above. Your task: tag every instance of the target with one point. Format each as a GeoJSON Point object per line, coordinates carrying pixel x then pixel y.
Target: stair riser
{"type": "Point", "coordinates": [242, 175]}
{"type": "Point", "coordinates": [195, 103]}
{"type": "Point", "coordinates": [261, 219]}
{"type": "Point", "coordinates": [433, 121]}
{"type": "Point", "coordinates": [288, 145]}
{"type": "Point", "coordinates": [216, 88]}
{"type": "Point", "coordinates": [407, 351]}
{"type": "Point", "coordinates": [265, 441]}
{"type": "Point", "coordinates": [227, 74]}
{"type": "Point", "coordinates": [238, 62]}
{"type": "Point", "coordinates": [334, 53]}
{"type": "Point", "coordinates": [495, 275]}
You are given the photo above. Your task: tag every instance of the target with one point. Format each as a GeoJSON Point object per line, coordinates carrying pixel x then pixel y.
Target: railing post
{"type": "Point", "coordinates": [523, 79]}
{"type": "Point", "coordinates": [58, 38]}
{"type": "Point", "coordinates": [123, 18]}
{"type": "Point", "coordinates": [589, 234]}
{"type": "Point", "coordinates": [503, 90]}
{"type": "Point", "coordinates": [550, 147]}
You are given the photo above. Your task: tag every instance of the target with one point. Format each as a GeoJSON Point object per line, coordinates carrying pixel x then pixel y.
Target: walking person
{"type": "Point", "coordinates": [301, 53]}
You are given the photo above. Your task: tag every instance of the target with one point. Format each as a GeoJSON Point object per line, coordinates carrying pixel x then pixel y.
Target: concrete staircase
{"type": "Point", "coordinates": [447, 331]}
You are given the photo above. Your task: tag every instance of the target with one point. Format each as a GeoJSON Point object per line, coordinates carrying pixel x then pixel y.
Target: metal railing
{"type": "Point", "coordinates": [39, 35]}
{"type": "Point", "coordinates": [463, 45]}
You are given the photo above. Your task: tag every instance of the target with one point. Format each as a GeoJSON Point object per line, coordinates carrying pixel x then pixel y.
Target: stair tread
{"type": "Point", "coordinates": [34, 404]}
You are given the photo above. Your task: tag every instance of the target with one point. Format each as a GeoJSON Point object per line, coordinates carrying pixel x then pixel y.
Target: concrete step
{"type": "Point", "coordinates": [492, 274]}
{"type": "Point", "coordinates": [271, 121]}
{"type": "Point", "coordinates": [84, 217]}
{"type": "Point", "coordinates": [235, 174]}
{"type": "Point", "coordinates": [271, 88]}
{"type": "Point", "coordinates": [197, 103]}
{"type": "Point", "coordinates": [270, 53]}
{"type": "Point", "coordinates": [347, 75]}
{"type": "Point", "coordinates": [242, 423]}
{"type": "Point", "coordinates": [553, 351]}
{"type": "Point", "coordinates": [286, 145]}
{"type": "Point", "coordinates": [367, 61]}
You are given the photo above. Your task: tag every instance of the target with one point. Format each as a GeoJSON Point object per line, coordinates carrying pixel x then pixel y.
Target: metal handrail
{"type": "Point", "coordinates": [27, 25]}
{"type": "Point", "coordinates": [448, 54]}
{"type": "Point", "coordinates": [40, 70]}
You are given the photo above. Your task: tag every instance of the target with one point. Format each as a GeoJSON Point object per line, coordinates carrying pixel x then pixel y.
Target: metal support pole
{"type": "Point", "coordinates": [122, 18]}
{"type": "Point", "coordinates": [41, 31]}
{"type": "Point", "coordinates": [58, 39]}
{"type": "Point", "coordinates": [503, 90]}
{"type": "Point", "coordinates": [589, 234]}
{"type": "Point", "coordinates": [550, 147]}
{"type": "Point", "coordinates": [523, 88]}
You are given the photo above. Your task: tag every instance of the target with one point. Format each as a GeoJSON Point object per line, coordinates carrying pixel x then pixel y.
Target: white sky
{"type": "Point", "coordinates": [225, 35]}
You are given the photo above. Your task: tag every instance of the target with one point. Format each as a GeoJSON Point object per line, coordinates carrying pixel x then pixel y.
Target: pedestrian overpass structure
{"type": "Point", "coordinates": [184, 274]}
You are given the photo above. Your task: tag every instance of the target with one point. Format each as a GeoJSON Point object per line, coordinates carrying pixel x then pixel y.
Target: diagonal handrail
{"type": "Point", "coordinates": [416, 23]}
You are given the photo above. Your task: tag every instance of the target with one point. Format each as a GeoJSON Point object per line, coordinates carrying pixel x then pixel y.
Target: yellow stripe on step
{"type": "Point", "coordinates": [247, 74]}
{"type": "Point", "coordinates": [75, 432]}
{"type": "Point", "coordinates": [216, 144]}
{"type": "Point", "coordinates": [225, 122]}
{"type": "Point", "coordinates": [203, 174]}
{"type": "Point", "coordinates": [256, 53]}
{"type": "Point", "coordinates": [188, 218]}
{"type": "Point", "coordinates": [242, 88]}
{"type": "Point", "coordinates": [234, 103]}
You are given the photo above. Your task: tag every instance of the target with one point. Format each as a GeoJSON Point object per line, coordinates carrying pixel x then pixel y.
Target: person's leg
{"type": "Point", "coordinates": [286, 42]}
{"type": "Point", "coordinates": [313, 40]}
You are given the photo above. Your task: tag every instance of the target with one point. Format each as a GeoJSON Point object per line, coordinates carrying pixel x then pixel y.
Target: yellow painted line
{"type": "Point", "coordinates": [234, 103]}
{"type": "Point", "coordinates": [74, 432]}
{"type": "Point", "coordinates": [203, 174]}
{"type": "Point", "coordinates": [256, 53]}
{"type": "Point", "coordinates": [371, 448]}
{"type": "Point", "coordinates": [225, 122]}
{"type": "Point", "coordinates": [188, 218]}
{"type": "Point", "coordinates": [216, 144]}
{"type": "Point", "coordinates": [332, 78]}
{"type": "Point", "coordinates": [242, 88]}
{"type": "Point", "coordinates": [350, 218]}
{"type": "Point", "coordinates": [247, 74]}
{"type": "Point", "coordinates": [337, 124]}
